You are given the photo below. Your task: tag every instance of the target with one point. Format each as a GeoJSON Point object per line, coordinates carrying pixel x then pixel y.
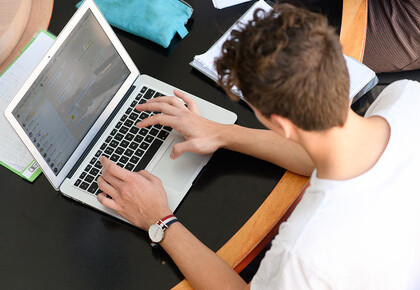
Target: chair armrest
{"type": "Point", "coordinates": [261, 228]}
{"type": "Point", "coordinates": [353, 28]}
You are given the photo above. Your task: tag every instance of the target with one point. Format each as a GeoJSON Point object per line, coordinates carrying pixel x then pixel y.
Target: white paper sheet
{"type": "Point", "coordinates": [12, 151]}
{"type": "Point", "coordinates": [220, 4]}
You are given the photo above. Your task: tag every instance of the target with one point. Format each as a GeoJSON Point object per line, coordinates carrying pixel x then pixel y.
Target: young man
{"type": "Point", "coordinates": [358, 224]}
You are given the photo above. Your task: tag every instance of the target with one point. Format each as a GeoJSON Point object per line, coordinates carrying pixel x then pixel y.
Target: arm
{"type": "Point", "coordinates": [204, 136]}
{"type": "Point", "coordinates": [141, 199]}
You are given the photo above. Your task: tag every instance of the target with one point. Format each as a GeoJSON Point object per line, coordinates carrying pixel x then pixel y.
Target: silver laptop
{"type": "Point", "coordinates": [78, 105]}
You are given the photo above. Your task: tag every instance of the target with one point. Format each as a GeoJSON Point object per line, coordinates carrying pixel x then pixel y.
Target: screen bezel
{"type": "Point", "coordinates": [56, 180]}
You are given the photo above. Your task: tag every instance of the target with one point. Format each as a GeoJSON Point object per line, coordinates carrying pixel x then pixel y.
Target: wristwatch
{"type": "Point", "coordinates": [157, 230]}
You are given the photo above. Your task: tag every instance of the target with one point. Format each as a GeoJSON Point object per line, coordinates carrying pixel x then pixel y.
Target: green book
{"type": "Point", "coordinates": [13, 153]}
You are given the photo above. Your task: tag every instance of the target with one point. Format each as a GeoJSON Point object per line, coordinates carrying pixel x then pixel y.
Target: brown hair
{"type": "Point", "coordinates": [288, 62]}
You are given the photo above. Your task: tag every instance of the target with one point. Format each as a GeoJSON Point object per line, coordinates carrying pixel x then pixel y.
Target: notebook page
{"type": "Point", "coordinates": [207, 59]}
{"type": "Point", "coordinates": [12, 151]}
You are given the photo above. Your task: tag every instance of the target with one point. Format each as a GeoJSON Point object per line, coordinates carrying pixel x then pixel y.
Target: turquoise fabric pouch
{"type": "Point", "coordinates": [155, 20]}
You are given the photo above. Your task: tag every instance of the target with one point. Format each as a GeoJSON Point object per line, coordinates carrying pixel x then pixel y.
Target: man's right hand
{"type": "Point", "coordinates": [202, 135]}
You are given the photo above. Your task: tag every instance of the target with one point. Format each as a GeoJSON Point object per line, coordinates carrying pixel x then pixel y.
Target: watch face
{"type": "Point", "coordinates": [155, 233]}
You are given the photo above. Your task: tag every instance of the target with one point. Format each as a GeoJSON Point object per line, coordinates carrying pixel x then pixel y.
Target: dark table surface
{"type": "Point", "coordinates": [50, 242]}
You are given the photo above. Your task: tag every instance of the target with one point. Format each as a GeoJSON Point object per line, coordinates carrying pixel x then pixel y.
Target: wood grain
{"type": "Point", "coordinates": [353, 27]}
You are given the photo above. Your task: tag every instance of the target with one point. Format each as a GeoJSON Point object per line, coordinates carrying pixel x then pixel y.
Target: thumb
{"type": "Point", "coordinates": [180, 148]}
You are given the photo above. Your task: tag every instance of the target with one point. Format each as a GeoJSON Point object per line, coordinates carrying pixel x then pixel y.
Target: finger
{"type": "Point", "coordinates": [112, 173]}
{"type": "Point", "coordinates": [181, 148]}
{"type": "Point", "coordinates": [171, 100]}
{"type": "Point", "coordinates": [147, 175]}
{"type": "Point", "coordinates": [192, 106]}
{"type": "Point", "coordinates": [161, 119]}
{"type": "Point", "coordinates": [105, 201]}
{"type": "Point", "coordinates": [162, 107]}
{"type": "Point", "coordinates": [107, 188]}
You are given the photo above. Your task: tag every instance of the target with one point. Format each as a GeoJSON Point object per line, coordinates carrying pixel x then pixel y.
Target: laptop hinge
{"type": "Point", "coordinates": [100, 132]}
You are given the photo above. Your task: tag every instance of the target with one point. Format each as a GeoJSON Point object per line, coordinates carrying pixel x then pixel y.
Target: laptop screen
{"type": "Point", "coordinates": [71, 92]}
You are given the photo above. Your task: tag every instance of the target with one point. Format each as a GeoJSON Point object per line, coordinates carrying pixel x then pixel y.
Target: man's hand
{"type": "Point", "coordinates": [202, 136]}
{"type": "Point", "coordinates": [137, 196]}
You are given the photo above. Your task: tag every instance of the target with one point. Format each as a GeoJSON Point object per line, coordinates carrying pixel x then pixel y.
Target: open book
{"type": "Point", "coordinates": [362, 78]}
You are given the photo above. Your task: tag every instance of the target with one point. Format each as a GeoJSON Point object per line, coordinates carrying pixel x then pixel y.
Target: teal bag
{"type": "Point", "coordinates": [155, 20]}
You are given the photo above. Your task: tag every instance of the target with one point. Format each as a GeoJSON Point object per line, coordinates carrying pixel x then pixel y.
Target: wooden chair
{"type": "Point", "coordinates": [261, 228]}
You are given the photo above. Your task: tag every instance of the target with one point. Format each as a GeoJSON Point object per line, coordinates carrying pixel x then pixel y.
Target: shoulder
{"type": "Point", "coordinates": [400, 97]}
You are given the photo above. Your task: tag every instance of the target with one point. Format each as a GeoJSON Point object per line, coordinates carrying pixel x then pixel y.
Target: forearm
{"type": "Point", "coordinates": [268, 145]}
{"type": "Point", "coordinates": [200, 266]}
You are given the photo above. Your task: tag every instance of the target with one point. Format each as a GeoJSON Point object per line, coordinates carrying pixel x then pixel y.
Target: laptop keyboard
{"type": "Point", "coordinates": [127, 145]}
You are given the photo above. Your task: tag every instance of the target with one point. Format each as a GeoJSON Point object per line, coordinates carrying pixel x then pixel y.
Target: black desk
{"type": "Point", "coordinates": [50, 242]}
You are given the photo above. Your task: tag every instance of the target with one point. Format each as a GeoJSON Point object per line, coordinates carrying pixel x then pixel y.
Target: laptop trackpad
{"type": "Point", "coordinates": [177, 173]}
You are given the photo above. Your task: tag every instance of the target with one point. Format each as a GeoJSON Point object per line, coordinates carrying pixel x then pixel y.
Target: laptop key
{"type": "Point", "coordinates": [144, 145]}
{"type": "Point", "coordinates": [134, 145]}
{"type": "Point", "coordinates": [139, 152]}
{"type": "Point", "coordinates": [138, 138]}
{"type": "Point", "coordinates": [163, 134]}
{"type": "Point", "coordinates": [93, 187]}
{"type": "Point", "coordinates": [123, 129]}
{"type": "Point", "coordinates": [128, 152]}
{"type": "Point", "coordinates": [109, 150]}
{"type": "Point", "coordinates": [143, 131]}
{"type": "Point", "coordinates": [84, 185]}
{"type": "Point", "coordinates": [149, 94]}
{"type": "Point", "coordinates": [119, 137]}
{"type": "Point", "coordinates": [134, 130]}
{"type": "Point", "coordinates": [148, 139]}
{"type": "Point", "coordinates": [123, 159]}
{"type": "Point", "coordinates": [119, 150]}
{"type": "Point", "coordinates": [129, 166]}
{"type": "Point", "coordinates": [89, 178]}
{"type": "Point", "coordinates": [128, 123]}
{"type": "Point", "coordinates": [148, 155]}
{"type": "Point", "coordinates": [134, 159]}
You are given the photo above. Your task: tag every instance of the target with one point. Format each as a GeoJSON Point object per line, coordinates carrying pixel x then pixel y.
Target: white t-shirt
{"type": "Point", "coordinates": [361, 233]}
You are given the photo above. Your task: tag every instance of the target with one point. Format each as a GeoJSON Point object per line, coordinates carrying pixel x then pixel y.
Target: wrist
{"type": "Point", "coordinates": [157, 230]}
{"type": "Point", "coordinates": [225, 136]}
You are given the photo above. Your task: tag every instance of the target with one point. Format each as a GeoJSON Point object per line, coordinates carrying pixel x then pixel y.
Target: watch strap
{"type": "Point", "coordinates": [164, 223]}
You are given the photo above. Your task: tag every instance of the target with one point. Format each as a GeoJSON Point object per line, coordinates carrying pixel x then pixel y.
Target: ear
{"type": "Point", "coordinates": [284, 124]}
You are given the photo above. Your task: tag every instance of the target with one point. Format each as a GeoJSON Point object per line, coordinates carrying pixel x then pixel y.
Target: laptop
{"type": "Point", "coordinates": [78, 105]}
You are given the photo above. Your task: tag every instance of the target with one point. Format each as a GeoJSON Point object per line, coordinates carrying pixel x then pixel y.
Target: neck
{"type": "Point", "coordinates": [345, 152]}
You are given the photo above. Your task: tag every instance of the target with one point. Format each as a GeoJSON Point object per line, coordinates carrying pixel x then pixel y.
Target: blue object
{"type": "Point", "coordinates": [155, 20]}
